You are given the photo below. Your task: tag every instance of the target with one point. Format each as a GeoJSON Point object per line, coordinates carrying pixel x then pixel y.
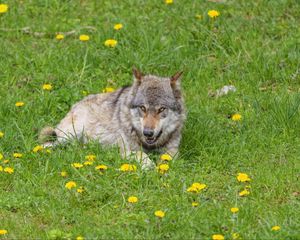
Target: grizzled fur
{"type": "Point", "coordinates": [148, 115]}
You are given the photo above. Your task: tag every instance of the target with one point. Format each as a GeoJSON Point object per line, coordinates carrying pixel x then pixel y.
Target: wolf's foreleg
{"type": "Point", "coordinates": [172, 146]}
{"type": "Point", "coordinates": [131, 152]}
{"type": "Point", "coordinates": [173, 152]}
{"type": "Point", "coordinates": [143, 159]}
{"type": "Point", "coordinates": [139, 156]}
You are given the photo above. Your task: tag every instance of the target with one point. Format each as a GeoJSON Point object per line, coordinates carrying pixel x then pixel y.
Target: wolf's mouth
{"type": "Point", "coordinates": [152, 140]}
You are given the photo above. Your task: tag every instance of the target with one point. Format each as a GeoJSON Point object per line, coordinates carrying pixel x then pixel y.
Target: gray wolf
{"type": "Point", "coordinates": [146, 116]}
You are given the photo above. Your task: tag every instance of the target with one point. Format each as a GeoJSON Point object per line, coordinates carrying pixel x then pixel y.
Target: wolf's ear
{"type": "Point", "coordinates": [137, 75]}
{"type": "Point", "coordinates": [175, 79]}
{"type": "Point", "coordinates": [175, 84]}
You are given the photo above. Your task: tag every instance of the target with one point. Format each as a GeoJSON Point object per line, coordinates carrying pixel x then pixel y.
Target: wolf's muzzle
{"type": "Point", "coordinates": [151, 140]}
{"type": "Point", "coordinates": [148, 132]}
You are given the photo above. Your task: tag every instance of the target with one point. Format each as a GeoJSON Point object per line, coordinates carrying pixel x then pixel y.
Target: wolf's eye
{"type": "Point", "coordinates": [161, 109]}
{"type": "Point", "coordinates": [142, 108]}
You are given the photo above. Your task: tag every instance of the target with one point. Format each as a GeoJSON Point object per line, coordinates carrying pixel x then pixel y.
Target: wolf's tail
{"type": "Point", "coordinates": [47, 135]}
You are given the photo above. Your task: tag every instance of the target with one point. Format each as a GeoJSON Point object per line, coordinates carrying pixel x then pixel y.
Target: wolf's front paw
{"type": "Point", "coordinates": [146, 162]}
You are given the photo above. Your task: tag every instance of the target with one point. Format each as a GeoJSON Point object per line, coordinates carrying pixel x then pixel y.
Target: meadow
{"type": "Point", "coordinates": [46, 67]}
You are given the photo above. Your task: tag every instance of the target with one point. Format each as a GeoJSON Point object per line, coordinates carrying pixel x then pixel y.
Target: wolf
{"type": "Point", "coordinates": [147, 116]}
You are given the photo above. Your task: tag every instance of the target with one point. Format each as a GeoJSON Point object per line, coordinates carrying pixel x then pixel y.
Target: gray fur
{"type": "Point", "coordinates": [118, 118]}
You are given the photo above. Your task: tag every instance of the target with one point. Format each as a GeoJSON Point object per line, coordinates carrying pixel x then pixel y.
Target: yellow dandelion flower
{"type": "Point", "coordinates": [192, 189]}
{"type": "Point", "coordinates": [196, 187]}
{"type": "Point", "coordinates": [218, 237]}
{"type": "Point", "coordinates": [159, 213]}
{"type": "Point", "coordinates": [235, 236]}
{"type": "Point", "coordinates": [18, 155]}
{"type": "Point", "coordinates": [59, 36]}
{"type": "Point", "coordinates": [80, 189]}
{"type": "Point", "coordinates": [243, 177]}
{"type": "Point", "coordinates": [132, 199]}
{"type": "Point", "coordinates": [101, 167]}
{"type": "Point", "coordinates": [163, 168]}
{"type": "Point", "coordinates": [37, 148]}
{"type": "Point", "coordinates": [213, 13]}
{"type": "Point", "coordinates": [234, 209]}
{"type": "Point", "coordinates": [63, 174]}
{"type": "Point", "coordinates": [1, 168]}
{"type": "Point", "coordinates": [6, 161]}
{"type": "Point", "coordinates": [79, 238]}
{"type": "Point", "coordinates": [3, 8]}
{"type": "Point", "coordinates": [90, 157]}
{"type": "Point", "coordinates": [88, 163]}
{"type": "Point", "coordinates": [47, 87]}
{"type": "Point", "coordinates": [128, 167]}
{"type": "Point", "coordinates": [275, 228]}
{"type": "Point", "coordinates": [77, 165]}
{"type": "Point", "coordinates": [108, 90]}
{"type": "Point", "coordinates": [70, 185]}
{"type": "Point", "coordinates": [118, 26]}
{"type": "Point", "coordinates": [195, 204]}
{"type": "Point", "coordinates": [1, 134]}
{"type": "Point", "coordinates": [199, 186]}
{"type": "Point", "coordinates": [110, 43]}
{"type": "Point", "coordinates": [236, 117]}
{"type": "Point", "coordinates": [3, 232]}
{"type": "Point", "coordinates": [1, 156]}
{"type": "Point", "coordinates": [84, 38]}
{"type": "Point", "coordinates": [8, 170]}
{"type": "Point", "coordinates": [20, 104]}
{"type": "Point", "coordinates": [165, 157]}
{"type": "Point", "coordinates": [198, 16]}
{"type": "Point", "coordinates": [168, 1]}
{"type": "Point", "coordinates": [244, 193]}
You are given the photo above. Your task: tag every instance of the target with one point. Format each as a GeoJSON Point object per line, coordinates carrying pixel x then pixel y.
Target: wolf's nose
{"type": "Point", "coordinates": [148, 132]}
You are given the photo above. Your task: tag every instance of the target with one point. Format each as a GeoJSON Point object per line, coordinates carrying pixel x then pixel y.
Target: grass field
{"type": "Point", "coordinates": [253, 45]}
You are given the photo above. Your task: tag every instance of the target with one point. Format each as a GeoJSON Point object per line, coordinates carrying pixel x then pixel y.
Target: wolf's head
{"type": "Point", "coordinates": [156, 107]}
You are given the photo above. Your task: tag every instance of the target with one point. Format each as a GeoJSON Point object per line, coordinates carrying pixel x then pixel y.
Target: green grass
{"type": "Point", "coordinates": [253, 45]}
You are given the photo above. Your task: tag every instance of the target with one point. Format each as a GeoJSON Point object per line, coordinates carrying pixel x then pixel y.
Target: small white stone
{"type": "Point", "coordinates": [225, 90]}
